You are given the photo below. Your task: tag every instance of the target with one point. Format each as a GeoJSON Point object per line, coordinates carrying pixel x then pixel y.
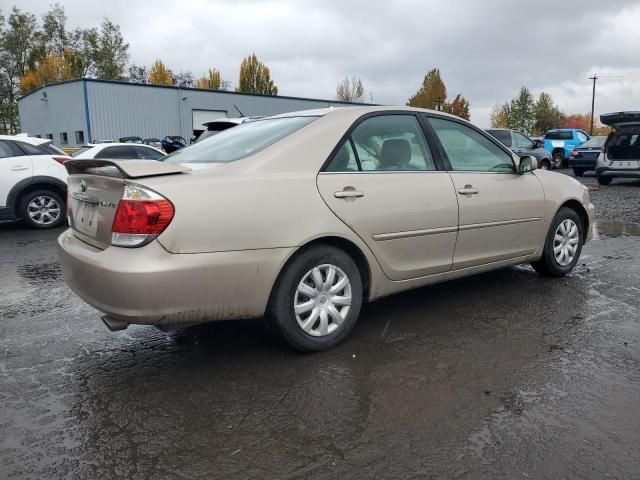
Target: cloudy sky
{"type": "Point", "coordinates": [486, 50]}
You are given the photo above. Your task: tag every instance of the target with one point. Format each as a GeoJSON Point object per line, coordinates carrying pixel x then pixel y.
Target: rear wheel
{"type": "Point", "coordinates": [578, 172]}
{"type": "Point", "coordinates": [42, 209]}
{"type": "Point", "coordinates": [563, 244]}
{"type": "Point", "coordinates": [558, 159]}
{"type": "Point", "coordinates": [316, 300]}
{"type": "Point", "coordinates": [604, 180]}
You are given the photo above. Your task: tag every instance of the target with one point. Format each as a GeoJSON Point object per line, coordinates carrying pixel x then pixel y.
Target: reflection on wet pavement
{"type": "Point", "coordinates": [614, 229]}
{"type": "Point", "coordinates": [501, 375]}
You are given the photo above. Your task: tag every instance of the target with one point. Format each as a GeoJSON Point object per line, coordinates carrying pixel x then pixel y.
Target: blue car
{"type": "Point", "coordinates": [560, 142]}
{"type": "Point", "coordinates": [585, 157]}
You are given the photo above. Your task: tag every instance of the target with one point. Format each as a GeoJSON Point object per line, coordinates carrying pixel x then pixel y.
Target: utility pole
{"type": "Point", "coordinates": [593, 100]}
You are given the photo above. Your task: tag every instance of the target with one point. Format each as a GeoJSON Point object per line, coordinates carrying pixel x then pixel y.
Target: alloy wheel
{"type": "Point", "coordinates": [43, 210]}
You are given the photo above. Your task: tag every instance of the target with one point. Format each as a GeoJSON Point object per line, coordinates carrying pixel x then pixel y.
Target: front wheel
{"type": "Point", "coordinates": [316, 300]}
{"type": "Point", "coordinates": [562, 246]}
{"type": "Point", "coordinates": [604, 180]}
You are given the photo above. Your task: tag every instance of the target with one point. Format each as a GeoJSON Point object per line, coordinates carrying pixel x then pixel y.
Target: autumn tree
{"type": "Point", "coordinates": [54, 68]}
{"type": "Point", "coordinates": [578, 120]}
{"type": "Point", "coordinates": [547, 115]}
{"type": "Point", "coordinates": [459, 107]}
{"type": "Point", "coordinates": [350, 90]}
{"type": "Point", "coordinates": [160, 74]}
{"type": "Point", "coordinates": [500, 116]}
{"type": "Point", "coordinates": [255, 77]}
{"type": "Point", "coordinates": [211, 81]}
{"type": "Point", "coordinates": [432, 93]}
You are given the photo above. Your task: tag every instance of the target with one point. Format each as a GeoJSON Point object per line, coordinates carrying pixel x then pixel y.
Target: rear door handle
{"type": "Point", "coordinates": [349, 192]}
{"type": "Point", "coordinates": [468, 190]}
{"type": "Point", "coordinates": [19, 168]}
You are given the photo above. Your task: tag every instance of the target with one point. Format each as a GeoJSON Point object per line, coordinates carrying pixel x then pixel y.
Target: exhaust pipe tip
{"type": "Point", "coordinates": [113, 324]}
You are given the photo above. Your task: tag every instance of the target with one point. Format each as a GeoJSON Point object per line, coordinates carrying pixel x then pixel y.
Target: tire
{"type": "Point", "coordinates": [301, 331]}
{"type": "Point", "coordinates": [549, 264]}
{"type": "Point", "coordinates": [52, 209]}
{"type": "Point", "coordinates": [604, 180]}
{"type": "Point", "coordinates": [545, 164]}
{"type": "Point", "coordinates": [558, 159]}
{"type": "Point", "coordinates": [578, 172]}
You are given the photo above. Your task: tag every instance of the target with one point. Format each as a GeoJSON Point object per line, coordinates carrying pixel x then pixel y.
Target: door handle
{"type": "Point", "coordinates": [349, 192]}
{"type": "Point", "coordinates": [468, 190]}
{"type": "Point", "coordinates": [19, 168]}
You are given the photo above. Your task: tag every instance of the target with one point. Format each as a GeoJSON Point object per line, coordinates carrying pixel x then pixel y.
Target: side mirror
{"type": "Point", "coordinates": [527, 164]}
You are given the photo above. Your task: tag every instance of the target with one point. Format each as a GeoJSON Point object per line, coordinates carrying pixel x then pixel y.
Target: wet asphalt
{"type": "Point", "coordinates": [500, 376]}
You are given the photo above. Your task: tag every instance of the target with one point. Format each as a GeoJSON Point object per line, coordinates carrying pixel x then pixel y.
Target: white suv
{"type": "Point", "coordinates": [33, 181]}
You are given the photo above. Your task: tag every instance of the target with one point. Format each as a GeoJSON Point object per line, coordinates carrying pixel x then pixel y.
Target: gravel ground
{"type": "Point", "coordinates": [498, 376]}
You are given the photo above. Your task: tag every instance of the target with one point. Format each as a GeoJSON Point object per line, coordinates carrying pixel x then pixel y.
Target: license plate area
{"type": "Point", "coordinates": [85, 217]}
{"type": "Point", "coordinates": [624, 164]}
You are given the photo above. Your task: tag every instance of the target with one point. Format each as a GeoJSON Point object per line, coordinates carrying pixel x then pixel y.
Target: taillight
{"type": "Point", "coordinates": [141, 216]}
{"type": "Point", "coordinates": [574, 154]}
{"type": "Point", "coordinates": [61, 160]}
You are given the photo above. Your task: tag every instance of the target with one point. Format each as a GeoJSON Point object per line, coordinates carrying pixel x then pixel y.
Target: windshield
{"type": "Point", "coordinates": [239, 142]}
{"type": "Point", "coordinates": [80, 150]}
{"type": "Point", "coordinates": [503, 135]}
{"type": "Point", "coordinates": [595, 142]}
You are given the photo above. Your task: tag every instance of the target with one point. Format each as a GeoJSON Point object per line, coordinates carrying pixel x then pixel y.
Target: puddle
{"type": "Point", "coordinates": [614, 229]}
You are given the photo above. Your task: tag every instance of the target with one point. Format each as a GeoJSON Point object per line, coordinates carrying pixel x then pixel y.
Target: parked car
{"type": "Point", "coordinates": [303, 216]}
{"type": "Point", "coordinates": [130, 140]}
{"type": "Point", "coordinates": [561, 141]}
{"type": "Point", "coordinates": [221, 124]}
{"type": "Point", "coordinates": [119, 151]}
{"type": "Point", "coordinates": [153, 142]}
{"type": "Point", "coordinates": [521, 144]}
{"type": "Point", "coordinates": [33, 184]}
{"type": "Point", "coordinates": [171, 143]}
{"type": "Point", "coordinates": [584, 157]}
{"type": "Point", "coordinates": [620, 157]}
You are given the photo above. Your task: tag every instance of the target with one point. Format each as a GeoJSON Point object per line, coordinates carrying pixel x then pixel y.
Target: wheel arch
{"type": "Point", "coordinates": [353, 250]}
{"type": "Point", "coordinates": [576, 206]}
{"type": "Point", "coordinates": [35, 183]}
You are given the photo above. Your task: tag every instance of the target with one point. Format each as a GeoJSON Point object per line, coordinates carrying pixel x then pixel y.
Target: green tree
{"type": "Point", "coordinates": [350, 90]}
{"type": "Point", "coordinates": [17, 53]}
{"type": "Point", "coordinates": [160, 74]}
{"type": "Point", "coordinates": [112, 52]}
{"type": "Point", "coordinates": [54, 30]}
{"type": "Point", "coordinates": [459, 107]}
{"type": "Point", "coordinates": [83, 44]}
{"type": "Point", "coordinates": [211, 81]}
{"type": "Point", "coordinates": [521, 111]}
{"type": "Point", "coordinates": [547, 114]}
{"type": "Point", "coordinates": [182, 79]}
{"type": "Point", "coordinates": [255, 77]}
{"type": "Point", "coordinates": [432, 94]}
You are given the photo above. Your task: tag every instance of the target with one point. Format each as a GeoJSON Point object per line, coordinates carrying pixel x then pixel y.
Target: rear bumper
{"type": "Point", "coordinates": [582, 163]}
{"type": "Point", "coordinates": [149, 285]}
{"type": "Point", "coordinates": [609, 172]}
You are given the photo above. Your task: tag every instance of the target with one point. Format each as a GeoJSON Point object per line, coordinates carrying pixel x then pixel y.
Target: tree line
{"type": "Point", "coordinates": [535, 116]}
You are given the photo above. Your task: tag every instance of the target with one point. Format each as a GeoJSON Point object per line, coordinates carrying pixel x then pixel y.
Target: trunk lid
{"type": "Point", "coordinates": [622, 120]}
{"type": "Point", "coordinates": [95, 188]}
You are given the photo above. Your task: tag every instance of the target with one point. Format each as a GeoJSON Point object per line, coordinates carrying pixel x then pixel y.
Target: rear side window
{"type": "Point", "coordinates": [147, 153]}
{"type": "Point", "coordinates": [504, 136]}
{"type": "Point", "coordinates": [239, 142]}
{"type": "Point", "coordinates": [122, 152]}
{"type": "Point", "coordinates": [9, 150]}
{"type": "Point", "coordinates": [562, 135]}
{"type": "Point", "coordinates": [31, 149]}
{"type": "Point", "coordinates": [344, 160]}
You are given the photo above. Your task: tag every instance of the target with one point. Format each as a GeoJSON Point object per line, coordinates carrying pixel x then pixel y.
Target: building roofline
{"type": "Point", "coordinates": [133, 84]}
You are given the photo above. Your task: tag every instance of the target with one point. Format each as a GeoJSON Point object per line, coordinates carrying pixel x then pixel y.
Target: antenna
{"type": "Point", "coordinates": [236, 107]}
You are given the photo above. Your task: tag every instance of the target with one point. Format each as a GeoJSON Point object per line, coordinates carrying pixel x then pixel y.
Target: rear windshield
{"type": "Point", "coordinates": [559, 136]}
{"type": "Point", "coordinates": [595, 142]}
{"type": "Point", "coordinates": [624, 146]}
{"type": "Point", "coordinates": [80, 150]}
{"type": "Point", "coordinates": [503, 135]}
{"type": "Point", "coordinates": [239, 142]}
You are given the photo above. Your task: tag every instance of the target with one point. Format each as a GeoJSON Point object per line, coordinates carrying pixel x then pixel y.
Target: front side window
{"type": "Point", "coordinates": [468, 150]}
{"type": "Point", "coordinates": [239, 142]}
{"type": "Point", "coordinates": [522, 141]}
{"type": "Point", "coordinates": [582, 137]}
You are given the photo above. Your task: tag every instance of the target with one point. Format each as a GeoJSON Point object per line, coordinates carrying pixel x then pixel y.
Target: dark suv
{"type": "Point", "coordinates": [522, 145]}
{"type": "Point", "coordinates": [620, 155]}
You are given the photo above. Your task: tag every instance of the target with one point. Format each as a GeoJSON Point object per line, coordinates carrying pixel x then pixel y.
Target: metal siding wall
{"type": "Point", "coordinates": [120, 109]}
{"type": "Point", "coordinates": [63, 111]}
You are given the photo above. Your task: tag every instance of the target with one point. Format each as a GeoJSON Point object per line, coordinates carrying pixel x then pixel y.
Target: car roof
{"type": "Point", "coordinates": [115, 144]}
{"type": "Point", "coordinates": [27, 139]}
{"type": "Point", "coordinates": [359, 110]}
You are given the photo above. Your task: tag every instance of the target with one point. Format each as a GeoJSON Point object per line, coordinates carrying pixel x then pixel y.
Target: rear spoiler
{"type": "Point", "coordinates": [123, 168]}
